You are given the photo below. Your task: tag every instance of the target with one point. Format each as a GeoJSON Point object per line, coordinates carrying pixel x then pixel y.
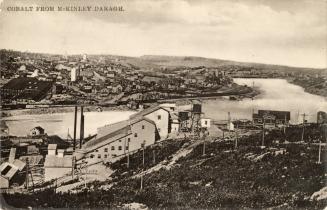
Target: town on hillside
{"type": "Point", "coordinates": [102, 131]}
{"type": "Point", "coordinates": [31, 80]}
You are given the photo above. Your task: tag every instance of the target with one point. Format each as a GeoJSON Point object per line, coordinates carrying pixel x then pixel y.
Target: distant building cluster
{"type": "Point", "coordinates": [272, 119]}
{"type": "Point", "coordinates": [103, 80]}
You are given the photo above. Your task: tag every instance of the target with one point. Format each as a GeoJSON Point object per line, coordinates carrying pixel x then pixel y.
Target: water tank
{"type": "Point", "coordinates": [183, 116]}
{"type": "Point", "coordinates": [197, 108]}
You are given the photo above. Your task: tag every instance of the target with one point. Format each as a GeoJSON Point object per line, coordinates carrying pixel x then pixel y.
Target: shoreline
{"type": "Point", "coordinates": [55, 110]}
{"type": "Point", "coordinates": [251, 93]}
{"type": "Point", "coordinates": [313, 91]}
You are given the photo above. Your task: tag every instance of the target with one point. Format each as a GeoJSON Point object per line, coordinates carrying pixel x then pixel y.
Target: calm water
{"type": "Point", "coordinates": [277, 94]}
{"type": "Point", "coordinates": [60, 123]}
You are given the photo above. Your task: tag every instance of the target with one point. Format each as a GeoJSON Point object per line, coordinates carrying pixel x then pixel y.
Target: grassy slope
{"type": "Point", "coordinates": [223, 178]}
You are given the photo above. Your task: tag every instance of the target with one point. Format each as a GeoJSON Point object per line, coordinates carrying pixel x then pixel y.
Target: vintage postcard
{"type": "Point", "coordinates": [163, 104]}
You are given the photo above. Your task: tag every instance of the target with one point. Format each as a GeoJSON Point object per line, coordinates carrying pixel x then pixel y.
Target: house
{"type": "Point", "coordinates": [160, 116]}
{"type": "Point", "coordinates": [271, 118]}
{"type": "Point", "coordinates": [117, 88]}
{"type": "Point", "coordinates": [37, 131]}
{"type": "Point", "coordinates": [116, 140]}
{"type": "Point", "coordinates": [56, 166]}
{"type": "Point", "coordinates": [10, 173]}
{"type": "Point", "coordinates": [205, 122]}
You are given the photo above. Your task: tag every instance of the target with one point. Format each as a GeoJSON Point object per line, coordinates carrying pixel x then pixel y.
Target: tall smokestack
{"type": "Point", "coordinates": [75, 124]}
{"type": "Point", "coordinates": [82, 129]}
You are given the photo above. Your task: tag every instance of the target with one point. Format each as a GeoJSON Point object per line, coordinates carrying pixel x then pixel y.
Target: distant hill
{"type": "Point", "coordinates": [155, 62]}
{"type": "Point", "coordinates": [190, 61]}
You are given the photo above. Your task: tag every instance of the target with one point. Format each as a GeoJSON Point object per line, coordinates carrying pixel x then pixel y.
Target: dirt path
{"type": "Point", "coordinates": [163, 164]}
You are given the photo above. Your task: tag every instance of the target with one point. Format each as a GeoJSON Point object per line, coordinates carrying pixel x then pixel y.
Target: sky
{"type": "Point", "coordinates": [286, 32]}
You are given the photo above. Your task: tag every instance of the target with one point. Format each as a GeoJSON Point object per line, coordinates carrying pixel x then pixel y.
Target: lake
{"type": "Point", "coordinates": [276, 94]}
{"type": "Point", "coordinates": [61, 123]}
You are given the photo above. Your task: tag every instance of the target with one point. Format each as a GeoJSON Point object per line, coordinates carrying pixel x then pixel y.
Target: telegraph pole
{"type": "Point", "coordinates": [319, 154]}
{"type": "Point", "coordinates": [285, 124]}
{"type": "Point", "coordinates": [143, 145]}
{"type": "Point", "coordinates": [229, 121]}
{"type": "Point", "coordinates": [75, 125]}
{"type": "Point", "coordinates": [303, 125]}
{"type": "Point", "coordinates": [263, 131]}
{"type": "Point", "coordinates": [236, 139]}
{"type": "Point", "coordinates": [81, 138]}
{"type": "Point", "coordinates": [204, 145]}
{"type": "Point", "coordinates": [26, 179]}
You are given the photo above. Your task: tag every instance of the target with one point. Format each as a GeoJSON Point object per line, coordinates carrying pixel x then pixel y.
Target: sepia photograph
{"type": "Point", "coordinates": [163, 104]}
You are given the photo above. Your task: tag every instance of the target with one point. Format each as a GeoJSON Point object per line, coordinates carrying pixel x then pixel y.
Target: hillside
{"type": "Point", "coordinates": [281, 175]}
{"type": "Point", "coordinates": [191, 61]}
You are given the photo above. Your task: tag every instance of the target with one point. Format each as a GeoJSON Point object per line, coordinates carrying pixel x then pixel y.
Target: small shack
{"type": "Point", "coordinates": [37, 131]}
{"type": "Point", "coordinates": [10, 173]}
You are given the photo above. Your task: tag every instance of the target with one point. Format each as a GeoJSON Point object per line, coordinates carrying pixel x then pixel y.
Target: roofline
{"type": "Point", "coordinates": [154, 109]}
{"type": "Point", "coordinates": [144, 118]}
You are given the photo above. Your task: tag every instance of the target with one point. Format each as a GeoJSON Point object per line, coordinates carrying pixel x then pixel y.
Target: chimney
{"type": "Point", "coordinates": [81, 129]}
{"type": "Point", "coordinates": [75, 124]}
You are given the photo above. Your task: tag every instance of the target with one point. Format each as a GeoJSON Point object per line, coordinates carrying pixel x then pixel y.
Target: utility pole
{"type": "Point", "coordinates": [285, 124]}
{"type": "Point", "coordinates": [204, 145]}
{"type": "Point", "coordinates": [26, 178]}
{"type": "Point", "coordinates": [81, 138]}
{"type": "Point", "coordinates": [85, 177]}
{"type": "Point", "coordinates": [263, 131]}
{"type": "Point", "coordinates": [32, 181]}
{"type": "Point", "coordinates": [319, 154]}
{"type": "Point", "coordinates": [143, 145]}
{"type": "Point", "coordinates": [236, 139]}
{"type": "Point", "coordinates": [75, 124]}
{"type": "Point", "coordinates": [303, 126]}
{"type": "Point", "coordinates": [56, 186]}
{"type": "Point", "coordinates": [229, 121]}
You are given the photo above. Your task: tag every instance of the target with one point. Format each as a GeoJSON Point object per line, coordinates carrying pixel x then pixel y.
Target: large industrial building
{"type": "Point", "coordinates": [25, 89]}
{"type": "Point", "coordinates": [118, 139]}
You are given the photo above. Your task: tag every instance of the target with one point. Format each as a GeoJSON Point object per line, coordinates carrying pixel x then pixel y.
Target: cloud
{"type": "Point", "coordinates": [250, 30]}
